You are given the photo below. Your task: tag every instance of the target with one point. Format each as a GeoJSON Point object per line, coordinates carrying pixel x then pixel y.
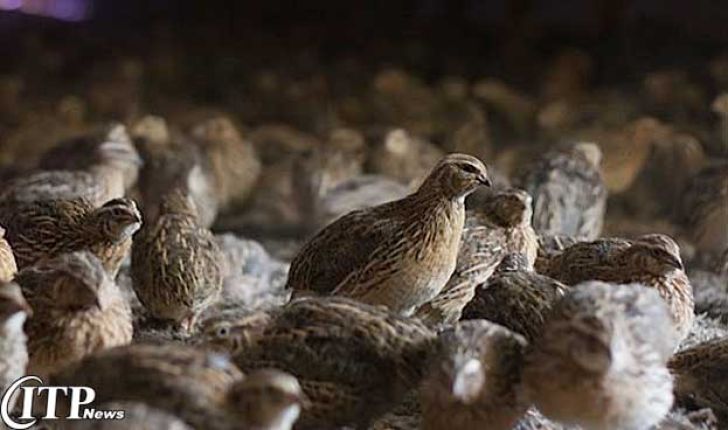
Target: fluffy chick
{"type": "Point", "coordinates": [475, 379]}
{"type": "Point", "coordinates": [398, 254]}
{"type": "Point", "coordinates": [176, 263]}
{"type": "Point", "coordinates": [601, 360]}
{"type": "Point", "coordinates": [78, 311]}
{"type": "Point", "coordinates": [569, 195]}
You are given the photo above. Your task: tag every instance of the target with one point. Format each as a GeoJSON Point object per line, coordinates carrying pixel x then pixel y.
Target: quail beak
{"type": "Point", "coordinates": [15, 307]}
{"type": "Point", "coordinates": [485, 181]}
{"type": "Point", "coordinates": [673, 262]}
{"type": "Point", "coordinates": [468, 381]}
{"type": "Point", "coordinates": [300, 399]}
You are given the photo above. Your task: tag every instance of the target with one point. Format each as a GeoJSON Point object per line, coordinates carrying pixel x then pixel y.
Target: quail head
{"type": "Point", "coordinates": [569, 196]}
{"type": "Point", "coordinates": [267, 399]}
{"type": "Point", "coordinates": [515, 297]}
{"type": "Point", "coordinates": [600, 361]}
{"type": "Point", "coordinates": [14, 311]}
{"type": "Point", "coordinates": [399, 254]}
{"type": "Point", "coordinates": [8, 267]}
{"type": "Point", "coordinates": [499, 226]}
{"type": "Point", "coordinates": [701, 376]}
{"type": "Point", "coordinates": [354, 361]}
{"type": "Point", "coordinates": [474, 381]}
{"type": "Point", "coordinates": [45, 229]}
{"type": "Point", "coordinates": [176, 263]}
{"type": "Point", "coordinates": [78, 311]}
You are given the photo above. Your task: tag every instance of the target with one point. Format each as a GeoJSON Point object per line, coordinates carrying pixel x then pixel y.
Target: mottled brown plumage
{"type": "Point", "coordinates": [569, 196]}
{"type": "Point", "coordinates": [475, 379]}
{"type": "Point", "coordinates": [499, 226]}
{"type": "Point", "coordinates": [600, 361]}
{"type": "Point", "coordinates": [651, 260]}
{"type": "Point", "coordinates": [204, 389]}
{"type": "Point", "coordinates": [701, 376]}
{"type": "Point", "coordinates": [398, 254]}
{"type": "Point", "coordinates": [8, 267]}
{"type": "Point", "coordinates": [44, 229]}
{"type": "Point", "coordinates": [110, 168]}
{"type": "Point", "coordinates": [515, 297]}
{"type": "Point", "coordinates": [354, 361]}
{"type": "Point", "coordinates": [176, 263]}
{"type": "Point", "coordinates": [78, 310]}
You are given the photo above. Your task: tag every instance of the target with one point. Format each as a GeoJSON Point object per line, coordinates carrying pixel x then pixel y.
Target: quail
{"type": "Point", "coordinates": [704, 208]}
{"type": "Point", "coordinates": [651, 260]}
{"type": "Point", "coordinates": [678, 419]}
{"type": "Point", "coordinates": [14, 311]}
{"type": "Point", "coordinates": [700, 376]}
{"type": "Point", "coordinates": [475, 379]}
{"type": "Point", "coordinates": [44, 229]}
{"type": "Point", "coordinates": [404, 157]}
{"type": "Point", "coordinates": [115, 162]}
{"type": "Point", "coordinates": [137, 415]}
{"type": "Point", "coordinates": [399, 254]}
{"type": "Point", "coordinates": [549, 247]}
{"type": "Point", "coordinates": [232, 159]}
{"type": "Point", "coordinates": [569, 196]}
{"type": "Point", "coordinates": [8, 267]}
{"type": "Point", "coordinates": [499, 226]}
{"type": "Point", "coordinates": [600, 361]}
{"type": "Point", "coordinates": [176, 263]}
{"type": "Point", "coordinates": [112, 146]}
{"type": "Point", "coordinates": [354, 361]}
{"type": "Point", "coordinates": [202, 388]}
{"type": "Point", "coordinates": [171, 162]}
{"type": "Point", "coordinates": [515, 297]}
{"type": "Point", "coordinates": [77, 310]}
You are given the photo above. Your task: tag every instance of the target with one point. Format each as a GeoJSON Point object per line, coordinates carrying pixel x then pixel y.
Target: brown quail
{"type": "Point", "coordinates": [700, 376]}
{"type": "Point", "coordinates": [115, 163]}
{"type": "Point", "coordinates": [77, 310]}
{"type": "Point", "coordinates": [354, 361]}
{"type": "Point", "coordinates": [600, 361]}
{"type": "Point", "coordinates": [202, 388]}
{"type": "Point", "coordinates": [45, 229]}
{"type": "Point", "coordinates": [8, 267]}
{"type": "Point", "coordinates": [475, 379]}
{"type": "Point", "coordinates": [651, 260]}
{"type": "Point", "coordinates": [515, 297]}
{"type": "Point", "coordinates": [176, 263]}
{"type": "Point", "coordinates": [569, 196]}
{"type": "Point", "coordinates": [232, 159]}
{"type": "Point", "coordinates": [398, 254]}
{"type": "Point", "coordinates": [14, 311]}
{"type": "Point", "coordinates": [501, 225]}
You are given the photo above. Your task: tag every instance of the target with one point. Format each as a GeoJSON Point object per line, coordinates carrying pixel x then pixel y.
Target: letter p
{"type": "Point", "coordinates": [80, 396]}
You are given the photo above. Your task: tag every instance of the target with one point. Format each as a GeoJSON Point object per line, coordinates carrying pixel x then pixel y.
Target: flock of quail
{"type": "Point", "coordinates": [434, 289]}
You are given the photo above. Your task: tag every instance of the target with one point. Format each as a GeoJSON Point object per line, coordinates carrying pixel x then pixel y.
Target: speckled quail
{"type": "Point", "coordinates": [701, 373]}
{"type": "Point", "coordinates": [515, 297]}
{"type": "Point", "coordinates": [499, 226]}
{"type": "Point", "coordinates": [475, 379]}
{"type": "Point", "coordinates": [113, 169]}
{"type": "Point", "coordinates": [14, 311]}
{"type": "Point", "coordinates": [354, 361]}
{"type": "Point", "coordinates": [44, 229]}
{"type": "Point", "coordinates": [77, 310]}
{"type": "Point", "coordinates": [569, 196]}
{"type": "Point", "coordinates": [651, 260]}
{"type": "Point", "coordinates": [202, 388]}
{"type": "Point", "coordinates": [176, 263]}
{"type": "Point", "coordinates": [600, 361]}
{"type": "Point", "coordinates": [398, 254]}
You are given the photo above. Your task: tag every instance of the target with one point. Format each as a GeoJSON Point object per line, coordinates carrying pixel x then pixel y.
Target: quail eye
{"type": "Point", "coordinates": [470, 168]}
{"type": "Point", "coordinates": [223, 331]}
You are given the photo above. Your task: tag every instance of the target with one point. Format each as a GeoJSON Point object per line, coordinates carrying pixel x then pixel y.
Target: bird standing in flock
{"type": "Point", "coordinates": [413, 313]}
